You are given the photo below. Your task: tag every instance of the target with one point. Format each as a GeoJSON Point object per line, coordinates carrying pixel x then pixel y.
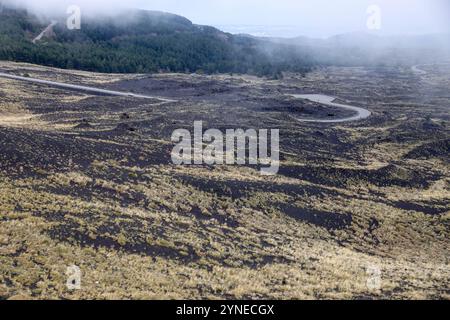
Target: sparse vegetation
{"type": "Point", "coordinates": [347, 197]}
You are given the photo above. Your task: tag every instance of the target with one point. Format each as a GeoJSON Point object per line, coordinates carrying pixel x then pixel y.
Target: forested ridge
{"type": "Point", "coordinates": [143, 42]}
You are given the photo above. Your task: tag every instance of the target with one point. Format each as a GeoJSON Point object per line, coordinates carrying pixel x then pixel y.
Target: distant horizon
{"type": "Point", "coordinates": [272, 32]}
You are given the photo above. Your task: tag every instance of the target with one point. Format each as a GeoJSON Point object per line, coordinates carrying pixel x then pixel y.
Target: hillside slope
{"type": "Point", "coordinates": [141, 41]}
{"type": "Point", "coordinates": [88, 180]}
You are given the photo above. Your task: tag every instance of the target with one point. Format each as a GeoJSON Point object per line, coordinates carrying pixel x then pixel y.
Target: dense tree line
{"type": "Point", "coordinates": [143, 42]}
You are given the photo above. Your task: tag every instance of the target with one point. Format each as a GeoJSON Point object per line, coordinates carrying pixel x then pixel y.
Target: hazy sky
{"type": "Point", "coordinates": [318, 18]}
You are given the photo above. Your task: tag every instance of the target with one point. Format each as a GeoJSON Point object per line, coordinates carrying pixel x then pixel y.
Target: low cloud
{"type": "Point", "coordinates": [320, 18]}
{"type": "Point", "coordinates": [59, 7]}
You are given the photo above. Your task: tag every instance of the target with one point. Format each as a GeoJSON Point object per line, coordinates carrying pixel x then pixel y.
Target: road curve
{"type": "Point", "coordinates": [417, 70]}
{"type": "Point", "coordinates": [81, 88]}
{"type": "Point", "coordinates": [328, 101]}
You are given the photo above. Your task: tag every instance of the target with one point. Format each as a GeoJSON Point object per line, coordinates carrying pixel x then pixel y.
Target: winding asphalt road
{"type": "Point", "coordinates": [322, 99]}
{"type": "Point", "coordinates": [328, 101]}
{"type": "Point", "coordinates": [81, 88]}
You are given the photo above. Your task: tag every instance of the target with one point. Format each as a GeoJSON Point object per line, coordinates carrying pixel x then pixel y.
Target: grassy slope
{"type": "Point", "coordinates": [110, 201]}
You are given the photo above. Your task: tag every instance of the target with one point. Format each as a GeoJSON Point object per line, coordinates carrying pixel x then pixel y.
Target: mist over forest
{"type": "Point", "coordinates": [114, 39]}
